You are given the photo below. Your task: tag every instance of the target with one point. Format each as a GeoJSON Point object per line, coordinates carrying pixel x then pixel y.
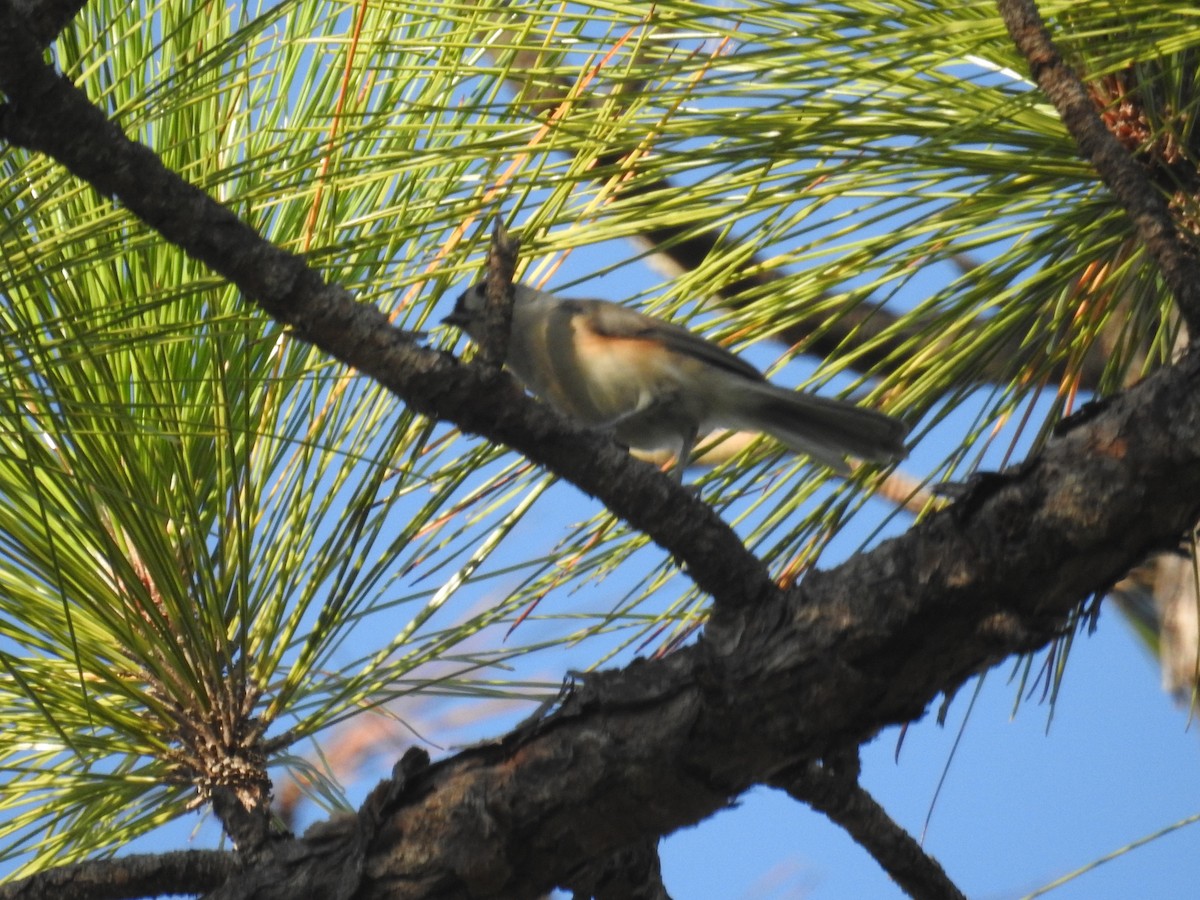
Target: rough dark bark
{"type": "Point", "coordinates": [831, 787]}
{"type": "Point", "coordinates": [141, 875]}
{"type": "Point", "coordinates": [44, 19]}
{"type": "Point", "coordinates": [631, 873]}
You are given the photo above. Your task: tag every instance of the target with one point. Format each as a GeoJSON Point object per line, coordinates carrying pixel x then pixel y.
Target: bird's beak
{"type": "Point", "coordinates": [460, 317]}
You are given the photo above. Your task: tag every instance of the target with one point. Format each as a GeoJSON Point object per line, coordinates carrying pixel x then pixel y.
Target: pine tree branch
{"type": "Point", "coordinates": [1177, 258]}
{"type": "Point", "coordinates": [833, 789]}
{"type": "Point", "coordinates": [46, 18]}
{"type": "Point", "coordinates": [631, 873]}
{"type": "Point", "coordinates": [139, 875]}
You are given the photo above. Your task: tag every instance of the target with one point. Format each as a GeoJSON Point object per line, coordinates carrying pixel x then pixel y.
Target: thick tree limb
{"type": "Point", "coordinates": [48, 114]}
{"type": "Point", "coordinates": [632, 873]}
{"type": "Point", "coordinates": [141, 875]}
{"type": "Point", "coordinates": [1177, 259]}
{"type": "Point", "coordinates": [46, 18]}
{"type": "Point", "coordinates": [249, 829]}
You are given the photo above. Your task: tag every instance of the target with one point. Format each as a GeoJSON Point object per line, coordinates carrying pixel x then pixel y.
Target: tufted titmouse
{"type": "Point", "coordinates": [659, 386]}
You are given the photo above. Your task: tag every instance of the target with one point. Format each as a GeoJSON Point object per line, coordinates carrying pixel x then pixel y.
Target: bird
{"type": "Point", "coordinates": [658, 386]}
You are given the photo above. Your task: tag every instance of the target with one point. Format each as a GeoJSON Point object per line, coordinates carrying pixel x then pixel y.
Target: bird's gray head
{"type": "Point", "coordinates": [468, 308]}
{"type": "Point", "coordinates": [471, 303]}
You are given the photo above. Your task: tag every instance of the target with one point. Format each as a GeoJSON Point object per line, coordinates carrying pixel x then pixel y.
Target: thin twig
{"type": "Point", "coordinates": [501, 269]}
{"type": "Point", "coordinates": [834, 791]}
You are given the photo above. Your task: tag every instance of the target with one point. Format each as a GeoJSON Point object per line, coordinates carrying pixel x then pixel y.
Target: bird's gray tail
{"type": "Point", "coordinates": [825, 429]}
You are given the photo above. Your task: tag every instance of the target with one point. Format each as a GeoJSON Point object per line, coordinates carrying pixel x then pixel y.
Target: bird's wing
{"type": "Point", "coordinates": [613, 320]}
